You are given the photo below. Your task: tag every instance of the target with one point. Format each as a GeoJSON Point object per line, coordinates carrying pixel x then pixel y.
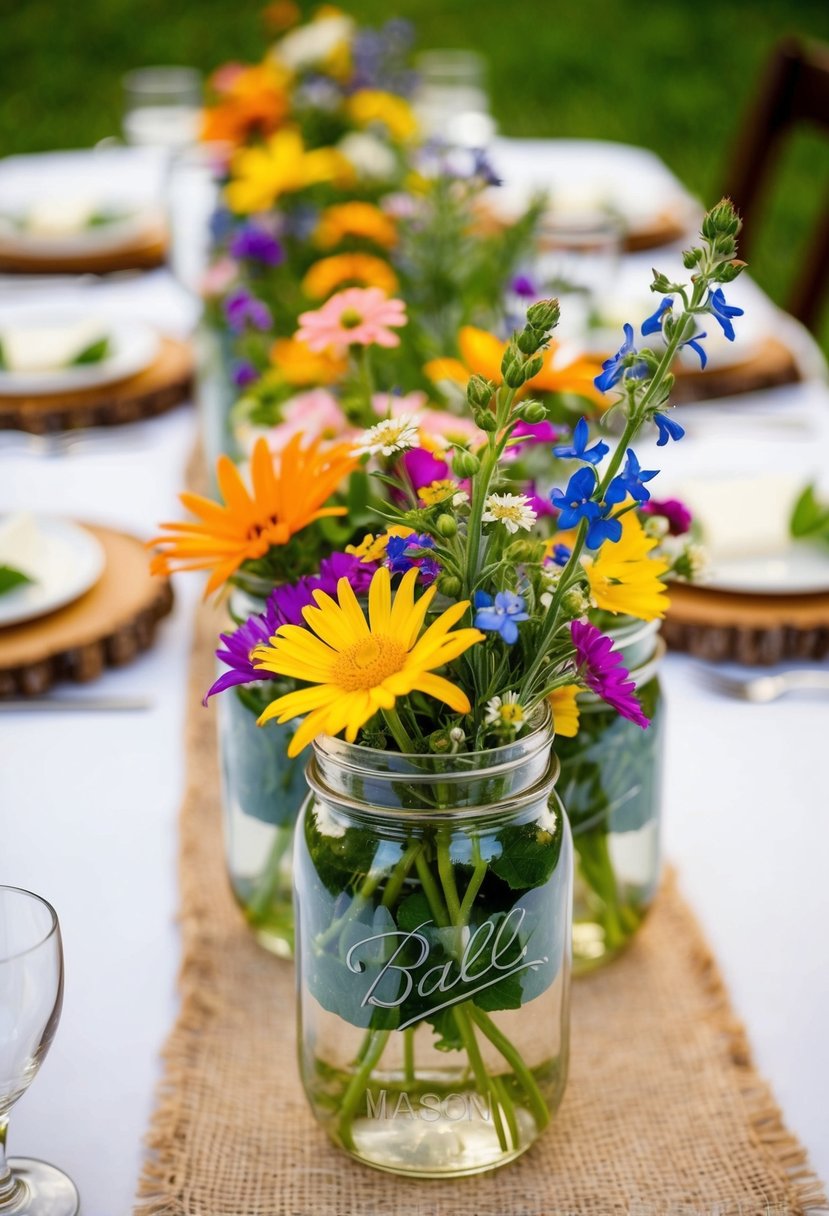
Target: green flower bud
{"type": "Point", "coordinates": [449, 585]}
{"type": "Point", "coordinates": [440, 742]}
{"type": "Point", "coordinates": [661, 283]}
{"type": "Point", "coordinates": [447, 526]}
{"type": "Point", "coordinates": [529, 340]}
{"type": "Point", "coordinates": [721, 220]}
{"type": "Point", "coordinates": [575, 602]}
{"type": "Point", "coordinates": [544, 314]}
{"type": "Point", "coordinates": [479, 391]}
{"type": "Point", "coordinates": [691, 258]}
{"type": "Point", "coordinates": [512, 358]}
{"type": "Point", "coordinates": [465, 464]}
{"type": "Point", "coordinates": [532, 411]}
{"type": "Point", "coordinates": [485, 420]}
{"type": "Point", "coordinates": [728, 272]}
{"type": "Point", "coordinates": [525, 551]}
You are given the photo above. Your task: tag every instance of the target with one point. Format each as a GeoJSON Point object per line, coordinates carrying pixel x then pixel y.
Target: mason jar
{"type": "Point", "coordinates": [433, 899]}
{"type": "Point", "coordinates": [262, 793]}
{"type": "Point", "coordinates": [611, 785]}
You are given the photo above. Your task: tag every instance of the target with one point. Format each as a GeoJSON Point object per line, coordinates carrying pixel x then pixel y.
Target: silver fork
{"type": "Point", "coordinates": [62, 443]}
{"type": "Point", "coordinates": [762, 689]}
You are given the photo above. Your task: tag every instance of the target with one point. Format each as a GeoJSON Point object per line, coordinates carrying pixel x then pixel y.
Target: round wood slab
{"type": "Point", "coordinates": [107, 627]}
{"type": "Point", "coordinates": [145, 252]}
{"type": "Point", "coordinates": [165, 383]}
{"type": "Point", "coordinates": [773, 364]}
{"type": "Point", "coordinates": [723, 626]}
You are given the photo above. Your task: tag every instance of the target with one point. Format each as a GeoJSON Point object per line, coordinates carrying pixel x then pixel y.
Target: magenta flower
{"type": "Point", "coordinates": [536, 432]}
{"type": "Point", "coordinates": [421, 468]}
{"type": "Point", "coordinates": [600, 666]}
{"type": "Point", "coordinates": [675, 512]}
{"type": "Point", "coordinates": [540, 503]}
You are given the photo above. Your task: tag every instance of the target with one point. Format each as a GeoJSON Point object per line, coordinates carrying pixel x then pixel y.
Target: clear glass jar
{"type": "Point", "coordinates": [433, 898]}
{"type": "Point", "coordinates": [262, 793]}
{"type": "Point", "coordinates": [610, 783]}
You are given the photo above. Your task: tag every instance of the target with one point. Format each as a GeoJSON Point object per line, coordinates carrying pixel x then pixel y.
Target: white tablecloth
{"type": "Point", "coordinates": [88, 807]}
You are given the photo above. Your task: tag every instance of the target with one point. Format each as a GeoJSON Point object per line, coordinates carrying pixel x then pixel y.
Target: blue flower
{"type": "Point", "coordinates": [614, 369]}
{"type": "Point", "coordinates": [576, 502]}
{"type": "Point", "coordinates": [631, 481]}
{"type": "Point", "coordinates": [653, 323]}
{"type": "Point", "coordinates": [668, 429]}
{"type": "Point", "coordinates": [578, 449]}
{"type": "Point", "coordinates": [723, 312]}
{"type": "Point", "coordinates": [560, 555]}
{"type": "Point", "coordinates": [601, 529]}
{"type": "Point", "coordinates": [694, 344]}
{"type": "Point", "coordinates": [404, 552]}
{"type": "Point", "coordinates": [500, 615]}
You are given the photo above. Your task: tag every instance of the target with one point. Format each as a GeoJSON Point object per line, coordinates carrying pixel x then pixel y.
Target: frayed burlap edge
{"type": "Point", "coordinates": [165, 1185]}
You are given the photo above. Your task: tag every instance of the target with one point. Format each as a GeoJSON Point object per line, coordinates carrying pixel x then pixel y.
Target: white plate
{"type": "Point", "coordinates": [803, 570]}
{"type": "Point", "coordinates": [69, 561]}
{"type": "Point", "coordinates": [122, 230]}
{"type": "Point", "coordinates": [133, 347]}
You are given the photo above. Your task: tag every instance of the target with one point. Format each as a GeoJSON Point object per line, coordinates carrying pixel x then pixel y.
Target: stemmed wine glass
{"type": "Point", "coordinates": [31, 995]}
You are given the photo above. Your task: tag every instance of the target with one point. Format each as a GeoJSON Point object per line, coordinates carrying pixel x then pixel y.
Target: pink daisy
{"type": "Point", "coordinates": [357, 316]}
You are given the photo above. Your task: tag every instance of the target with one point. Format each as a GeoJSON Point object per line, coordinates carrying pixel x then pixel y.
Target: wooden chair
{"type": "Point", "coordinates": [794, 91]}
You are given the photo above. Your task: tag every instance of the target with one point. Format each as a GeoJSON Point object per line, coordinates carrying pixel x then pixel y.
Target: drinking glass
{"type": "Point", "coordinates": [31, 995]}
{"type": "Point", "coordinates": [451, 99]}
{"type": "Point", "coordinates": [162, 107]}
{"type": "Point", "coordinates": [577, 261]}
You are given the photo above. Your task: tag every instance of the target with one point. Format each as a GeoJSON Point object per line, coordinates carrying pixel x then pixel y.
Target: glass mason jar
{"type": "Point", "coordinates": [610, 783]}
{"type": "Point", "coordinates": [433, 898]}
{"type": "Point", "coordinates": [262, 793]}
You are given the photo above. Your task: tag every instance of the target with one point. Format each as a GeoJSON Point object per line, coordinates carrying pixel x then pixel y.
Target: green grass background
{"type": "Point", "coordinates": [673, 77]}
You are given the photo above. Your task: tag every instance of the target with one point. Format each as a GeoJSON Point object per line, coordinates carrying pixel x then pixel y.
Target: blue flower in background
{"type": "Point", "coordinates": [668, 429]}
{"type": "Point", "coordinates": [653, 323]}
{"type": "Point", "coordinates": [524, 287]}
{"type": "Point", "coordinates": [578, 449]}
{"type": "Point", "coordinates": [501, 614]}
{"type": "Point", "coordinates": [242, 309]}
{"type": "Point", "coordinates": [614, 369]}
{"type": "Point", "coordinates": [560, 555]}
{"type": "Point", "coordinates": [257, 245]}
{"type": "Point", "coordinates": [631, 481]}
{"type": "Point", "coordinates": [722, 312]}
{"type": "Point", "coordinates": [602, 529]}
{"type": "Point", "coordinates": [244, 373]}
{"type": "Point", "coordinates": [576, 502]}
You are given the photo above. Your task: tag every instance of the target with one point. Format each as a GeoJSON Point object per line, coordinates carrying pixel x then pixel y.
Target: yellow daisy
{"type": "Point", "coordinates": [565, 709]}
{"type": "Point", "coordinates": [373, 548]}
{"type": "Point", "coordinates": [368, 107]}
{"type": "Point", "coordinates": [623, 577]}
{"type": "Point", "coordinates": [355, 219]}
{"type": "Point", "coordinates": [329, 274]}
{"type": "Point", "coordinates": [355, 667]}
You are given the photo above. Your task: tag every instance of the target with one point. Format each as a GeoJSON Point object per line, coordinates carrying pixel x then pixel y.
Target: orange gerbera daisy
{"type": "Point", "coordinates": [287, 493]}
{"type": "Point", "coordinates": [251, 100]}
{"type": "Point", "coordinates": [481, 352]}
{"type": "Point", "coordinates": [302, 367]}
{"type": "Point", "coordinates": [355, 219]}
{"type": "Point", "coordinates": [348, 269]}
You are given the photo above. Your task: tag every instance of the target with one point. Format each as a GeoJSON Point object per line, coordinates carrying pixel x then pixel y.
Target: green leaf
{"type": "Point", "coordinates": [810, 518]}
{"type": "Point", "coordinates": [2, 359]}
{"type": "Point", "coordinates": [11, 578]}
{"type": "Point", "coordinates": [93, 354]}
{"type": "Point", "coordinates": [529, 854]}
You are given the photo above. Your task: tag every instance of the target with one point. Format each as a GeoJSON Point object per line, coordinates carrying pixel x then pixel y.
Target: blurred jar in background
{"type": "Point", "coordinates": [451, 101]}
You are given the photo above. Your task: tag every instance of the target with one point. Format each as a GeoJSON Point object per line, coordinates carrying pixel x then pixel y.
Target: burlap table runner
{"type": "Point", "coordinates": [664, 1113]}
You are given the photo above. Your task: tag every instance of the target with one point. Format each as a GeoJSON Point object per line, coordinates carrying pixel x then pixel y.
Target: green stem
{"type": "Point", "coordinates": [461, 1014]}
{"type": "Point", "coordinates": [270, 879]}
{"type": "Point", "coordinates": [358, 1084]}
{"type": "Point", "coordinates": [398, 731]}
{"type": "Point", "coordinates": [408, 1055]}
{"type": "Point", "coordinates": [478, 876]}
{"type": "Point", "coordinates": [513, 1057]}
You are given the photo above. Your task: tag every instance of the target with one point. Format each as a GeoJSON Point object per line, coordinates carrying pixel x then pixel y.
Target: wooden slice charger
{"type": "Point", "coordinates": [772, 365]}
{"type": "Point", "coordinates": [165, 383]}
{"type": "Point", "coordinates": [724, 626]}
{"type": "Point", "coordinates": [107, 627]}
{"type": "Point", "coordinates": [146, 251]}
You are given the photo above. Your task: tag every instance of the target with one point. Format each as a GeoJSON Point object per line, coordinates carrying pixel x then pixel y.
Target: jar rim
{"type": "Point", "coordinates": [405, 816]}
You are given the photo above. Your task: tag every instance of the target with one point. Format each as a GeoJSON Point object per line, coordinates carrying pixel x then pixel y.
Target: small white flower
{"type": "Point", "coordinates": [460, 499]}
{"type": "Point", "coordinates": [697, 558]}
{"type": "Point", "coordinates": [370, 157]}
{"type": "Point", "coordinates": [506, 711]}
{"type": "Point", "coordinates": [657, 526]}
{"type": "Point", "coordinates": [389, 436]}
{"type": "Point", "coordinates": [511, 510]}
{"type": "Point", "coordinates": [312, 43]}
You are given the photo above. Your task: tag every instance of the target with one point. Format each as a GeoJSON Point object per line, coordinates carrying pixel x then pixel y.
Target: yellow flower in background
{"type": "Point", "coordinates": [361, 269]}
{"type": "Point", "coordinates": [281, 166]}
{"type": "Point", "coordinates": [356, 666]}
{"type": "Point", "coordinates": [373, 548]}
{"type": "Point", "coordinates": [302, 367]}
{"type": "Point", "coordinates": [565, 709]}
{"type": "Point", "coordinates": [369, 106]}
{"type": "Point", "coordinates": [438, 491]}
{"type": "Point", "coordinates": [481, 353]}
{"type": "Point", "coordinates": [286, 494]}
{"type": "Point", "coordinates": [356, 219]}
{"type": "Point", "coordinates": [623, 577]}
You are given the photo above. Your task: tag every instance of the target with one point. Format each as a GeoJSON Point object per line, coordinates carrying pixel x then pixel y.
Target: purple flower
{"type": "Point", "coordinates": [540, 503]}
{"type": "Point", "coordinates": [482, 168]}
{"type": "Point", "coordinates": [617, 368]}
{"type": "Point", "coordinates": [675, 512]}
{"type": "Point", "coordinates": [631, 481]}
{"type": "Point", "coordinates": [668, 429]}
{"type": "Point", "coordinates": [501, 614]}
{"type": "Point", "coordinates": [406, 552]}
{"type": "Point", "coordinates": [236, 650]}
{"type": "Point", "coordinates": [257, 245]}
{"type": "Point", "coordinates": [244, 373]}
{"type": "Point", "coordinates": [535, 432]}
{"type": "Point", "coordinates": [523, 286]}
{"type": "Point", "coordinates": [243, 309]}
{"type": "Point", "coordinates": [600, 667]}
{"type": "Point", "coordinates": [285, 603]}
{"type": "Point", "coordinates": [578, 449]}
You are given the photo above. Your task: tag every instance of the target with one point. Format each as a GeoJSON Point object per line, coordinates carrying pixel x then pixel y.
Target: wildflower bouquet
{"type": "Point", "coordinates": [464, 626]}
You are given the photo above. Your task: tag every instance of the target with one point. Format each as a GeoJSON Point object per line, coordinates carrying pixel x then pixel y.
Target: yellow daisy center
{"type": "Point", "coordinates": [368, 662]}
{"type": "Point", "coordinates": [512, 713]}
